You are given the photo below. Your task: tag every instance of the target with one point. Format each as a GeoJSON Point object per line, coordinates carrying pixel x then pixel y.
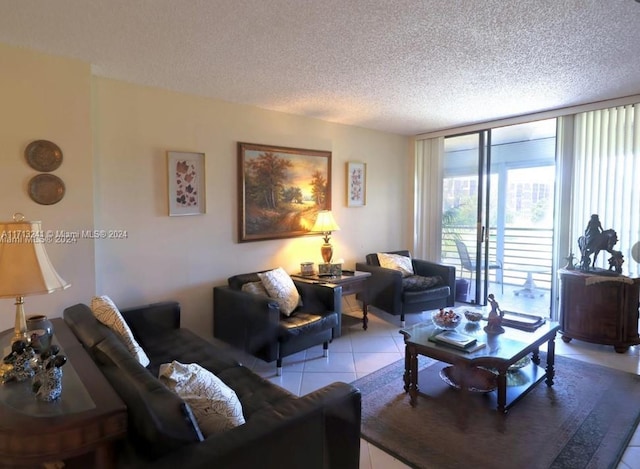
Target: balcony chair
{"type": "Point", "coordinates": [470, 265]}
{"type": "Point", "coordinates": [253, 321]}
{"type": "Point", "coordinates": [400, 293]}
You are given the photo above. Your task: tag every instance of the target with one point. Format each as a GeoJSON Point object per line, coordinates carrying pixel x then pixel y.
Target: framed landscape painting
{"type": "Point", "coordinates": [280, 190]}
{"type": "Point", "coordinates": [186, 183]}
{"type": "Point", "coordinates": [356, 184]}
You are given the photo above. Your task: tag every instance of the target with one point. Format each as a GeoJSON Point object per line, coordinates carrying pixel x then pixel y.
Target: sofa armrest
{"type": "Point", "coordinates": [324, 423]}
{"type": "Point", "coordinates": [319, 298]}
{"type": "Point", "coordinates": [244, 320]}
{"type": "Point", "coordinates": [384, 287]}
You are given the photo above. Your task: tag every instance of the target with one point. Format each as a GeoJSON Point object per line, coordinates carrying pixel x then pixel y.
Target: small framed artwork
{"type": "Point", "coordinates": [356, 184]}
{"type": "Point", "coordinates": [186, 183]}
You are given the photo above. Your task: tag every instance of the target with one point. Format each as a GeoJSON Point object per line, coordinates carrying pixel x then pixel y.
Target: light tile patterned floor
{"type": "Point", "coordinates": [360, 352]}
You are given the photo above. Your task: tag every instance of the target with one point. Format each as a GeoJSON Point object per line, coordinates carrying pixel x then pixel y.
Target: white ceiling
{"type": "Point", "coordinates": [403, 66]}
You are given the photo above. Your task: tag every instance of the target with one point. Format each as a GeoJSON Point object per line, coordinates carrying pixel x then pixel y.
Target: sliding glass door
{"type": "Point", "coordinates": [466, 211]}
{"type": "Point", "coordinates": [497, 214]}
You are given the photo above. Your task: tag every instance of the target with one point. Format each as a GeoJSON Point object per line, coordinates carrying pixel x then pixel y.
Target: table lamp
{"type": "Point", "coordinates": [25, 268]}
{"type": "Point", "coordinates": [325, 224]}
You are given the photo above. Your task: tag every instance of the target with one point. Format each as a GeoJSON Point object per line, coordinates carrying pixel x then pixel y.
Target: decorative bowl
{"type": "Point", "coordinates": [446, 319]}
{"type": "Point", "coordinates": [473, 316]}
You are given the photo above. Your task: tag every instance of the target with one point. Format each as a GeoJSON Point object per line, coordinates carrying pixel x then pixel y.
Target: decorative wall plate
{"type": "Point", "coordinates": [46, 189]}
{"type": "Point", "coordinates": [43, 155]}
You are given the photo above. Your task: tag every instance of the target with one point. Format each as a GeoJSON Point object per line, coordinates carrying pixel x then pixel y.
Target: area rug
{"type": "Point", "coordinates": [585, 420]}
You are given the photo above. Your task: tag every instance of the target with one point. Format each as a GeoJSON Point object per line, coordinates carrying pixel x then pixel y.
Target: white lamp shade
{"type": "Point", "coordinates": [325, 222]}
{"type": "Point", "coordinates": [25, 268]}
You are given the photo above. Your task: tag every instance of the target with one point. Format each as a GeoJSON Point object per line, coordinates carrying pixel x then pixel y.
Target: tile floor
{"type": "Point", "coordinates": [360, 352]}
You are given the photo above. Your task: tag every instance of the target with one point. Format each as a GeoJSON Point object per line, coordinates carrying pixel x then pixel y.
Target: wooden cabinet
{"type": "Point", "coordinates": [599, 309]}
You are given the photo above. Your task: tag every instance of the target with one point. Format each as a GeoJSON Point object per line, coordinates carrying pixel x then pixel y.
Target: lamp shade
{"type": "Point", "coordinates": [25, 268]}
{"type": "Point", "coordinates": [325, 222]}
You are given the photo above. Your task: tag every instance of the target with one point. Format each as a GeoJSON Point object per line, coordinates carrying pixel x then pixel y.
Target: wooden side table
{"type": "Point", "coordinates": [602, 309]}
{"type": "Point", "coordinates": [87, 418]}
{"type": "Point", "coordinates": [351, 283]}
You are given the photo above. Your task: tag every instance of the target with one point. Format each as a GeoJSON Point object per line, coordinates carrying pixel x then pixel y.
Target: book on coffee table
{"type": "Point", "coordinates": [457, 340]}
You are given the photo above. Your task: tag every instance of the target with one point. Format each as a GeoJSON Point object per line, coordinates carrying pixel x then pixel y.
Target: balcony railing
{"type": "Point", "coordinates": [522, 251]}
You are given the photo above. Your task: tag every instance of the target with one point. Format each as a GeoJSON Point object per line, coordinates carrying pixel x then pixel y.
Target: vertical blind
{"type": "Point", "coordinates": [607, 177]}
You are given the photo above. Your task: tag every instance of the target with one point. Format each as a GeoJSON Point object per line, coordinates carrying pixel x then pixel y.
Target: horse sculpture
{"type": "Point", "coordinates": [592, 245]}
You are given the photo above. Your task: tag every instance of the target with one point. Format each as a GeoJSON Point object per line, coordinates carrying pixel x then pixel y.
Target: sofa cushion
{"type": "Point", "coordinates": [281, 288]}
{"type": "Point", "coordinates": [396, 262]}
{"type": "Point", "coordinates": [186, 346]}
{"type": "Point", "coordinates": [108, 314]}
{"type": "Point", "coordinates": [159, 420]}
{"type": "Point", "coordinates": [420, 283]}
{"type": "Point", "coordinates": [255, 288]}
{"type": "Point", "coordinates": [435, 293]}
{"type": "Point", "coordinates": [214, 404]}
{"type": "Point", "coordinates": [302, 324]}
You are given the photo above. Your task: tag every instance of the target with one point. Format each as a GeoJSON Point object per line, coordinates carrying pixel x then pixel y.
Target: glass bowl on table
{"type": "Point", "coordinates": [446, 319]}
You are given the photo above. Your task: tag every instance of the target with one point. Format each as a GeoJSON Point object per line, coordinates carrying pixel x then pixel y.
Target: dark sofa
{"type": "Point", "coordinates": [319, 430]}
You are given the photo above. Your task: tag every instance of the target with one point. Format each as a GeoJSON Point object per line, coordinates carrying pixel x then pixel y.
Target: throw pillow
{"type": "Point", "coordinates": [396, 262]}
{"type": "Point", "coordinates": [281, 288]}
{"type": "Point", "coordinates": [108, 314]}
{"type": "Point", "coordinates": [420, 283]}
{"type": "Point", "coordinates": [214, 404]}
{"type": "Point", "coordinates": [255, 288]}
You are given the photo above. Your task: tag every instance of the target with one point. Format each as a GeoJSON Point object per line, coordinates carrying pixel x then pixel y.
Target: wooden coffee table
{"type": "Point", "coordinates": [86, 420]}
{"type": "Point", "coordinates": [500, 353]}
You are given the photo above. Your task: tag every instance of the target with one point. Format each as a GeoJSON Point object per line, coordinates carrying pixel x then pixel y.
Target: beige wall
{"type": "Point", "coordinates": [132, 127]}
{"type": "Point", "coordinates": [49, 98]}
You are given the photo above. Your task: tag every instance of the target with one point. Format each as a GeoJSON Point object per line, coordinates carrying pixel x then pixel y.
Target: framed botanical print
{"type": "Point", "coordinates": [186, 183]}
{"type": "Point", "coordinates": [356, 184]}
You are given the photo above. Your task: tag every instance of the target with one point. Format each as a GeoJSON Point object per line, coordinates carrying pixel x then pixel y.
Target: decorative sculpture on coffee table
{"type": "Point", "coordinates": [596, 239]}
{"type": "Point", "coordinates": [494, 321]}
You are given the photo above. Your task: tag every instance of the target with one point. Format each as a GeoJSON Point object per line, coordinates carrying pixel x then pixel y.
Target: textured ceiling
{"type": "Point", "coordinates": [404, 66]}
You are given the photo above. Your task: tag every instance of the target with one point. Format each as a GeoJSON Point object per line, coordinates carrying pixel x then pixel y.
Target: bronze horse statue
{"type": "Point", "coordinates": [593, 245]}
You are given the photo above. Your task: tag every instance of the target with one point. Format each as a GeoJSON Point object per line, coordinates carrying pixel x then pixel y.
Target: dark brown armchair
{"type": "Point", "coordinates": [389, 291]}
{"type": "Point", "coordinates": [254, 323]}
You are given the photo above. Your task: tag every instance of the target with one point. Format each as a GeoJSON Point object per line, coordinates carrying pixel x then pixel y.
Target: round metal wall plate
{"type": "Point", "coordinates": [46, 189]}
{"type": "Point", "coordinates": [43, 155]}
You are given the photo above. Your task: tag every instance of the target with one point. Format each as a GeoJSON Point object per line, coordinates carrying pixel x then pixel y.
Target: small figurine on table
{"type": "Point", "coordinates": [494, 321]}
{"type": "Point", "coordinates": [47, 383]}
{"type": "Point", "coordinates": [570, 265]}
{"type": "Point", "coordinates": [22, 359]}
{"type": "Point", "coordinates": [615, 261]}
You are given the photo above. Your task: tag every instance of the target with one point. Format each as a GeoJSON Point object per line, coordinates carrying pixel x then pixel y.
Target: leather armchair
{"type": "Point", "coordinates": [386, 292]}
{"type": "Point", "coordinates": [254, 323]}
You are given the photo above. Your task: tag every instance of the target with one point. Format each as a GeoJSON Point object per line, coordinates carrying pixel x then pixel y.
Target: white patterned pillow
{"type": "Point", "coordinates": [108, 314]}
{"type": "Point", "coordinates": [281, 288]}
{"type": "Point", "coordinates": [214, 404]}
{"type": "Point", "coordinates": [396, 262]}
{"type": "Point", "coordinates": [255, 288]}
